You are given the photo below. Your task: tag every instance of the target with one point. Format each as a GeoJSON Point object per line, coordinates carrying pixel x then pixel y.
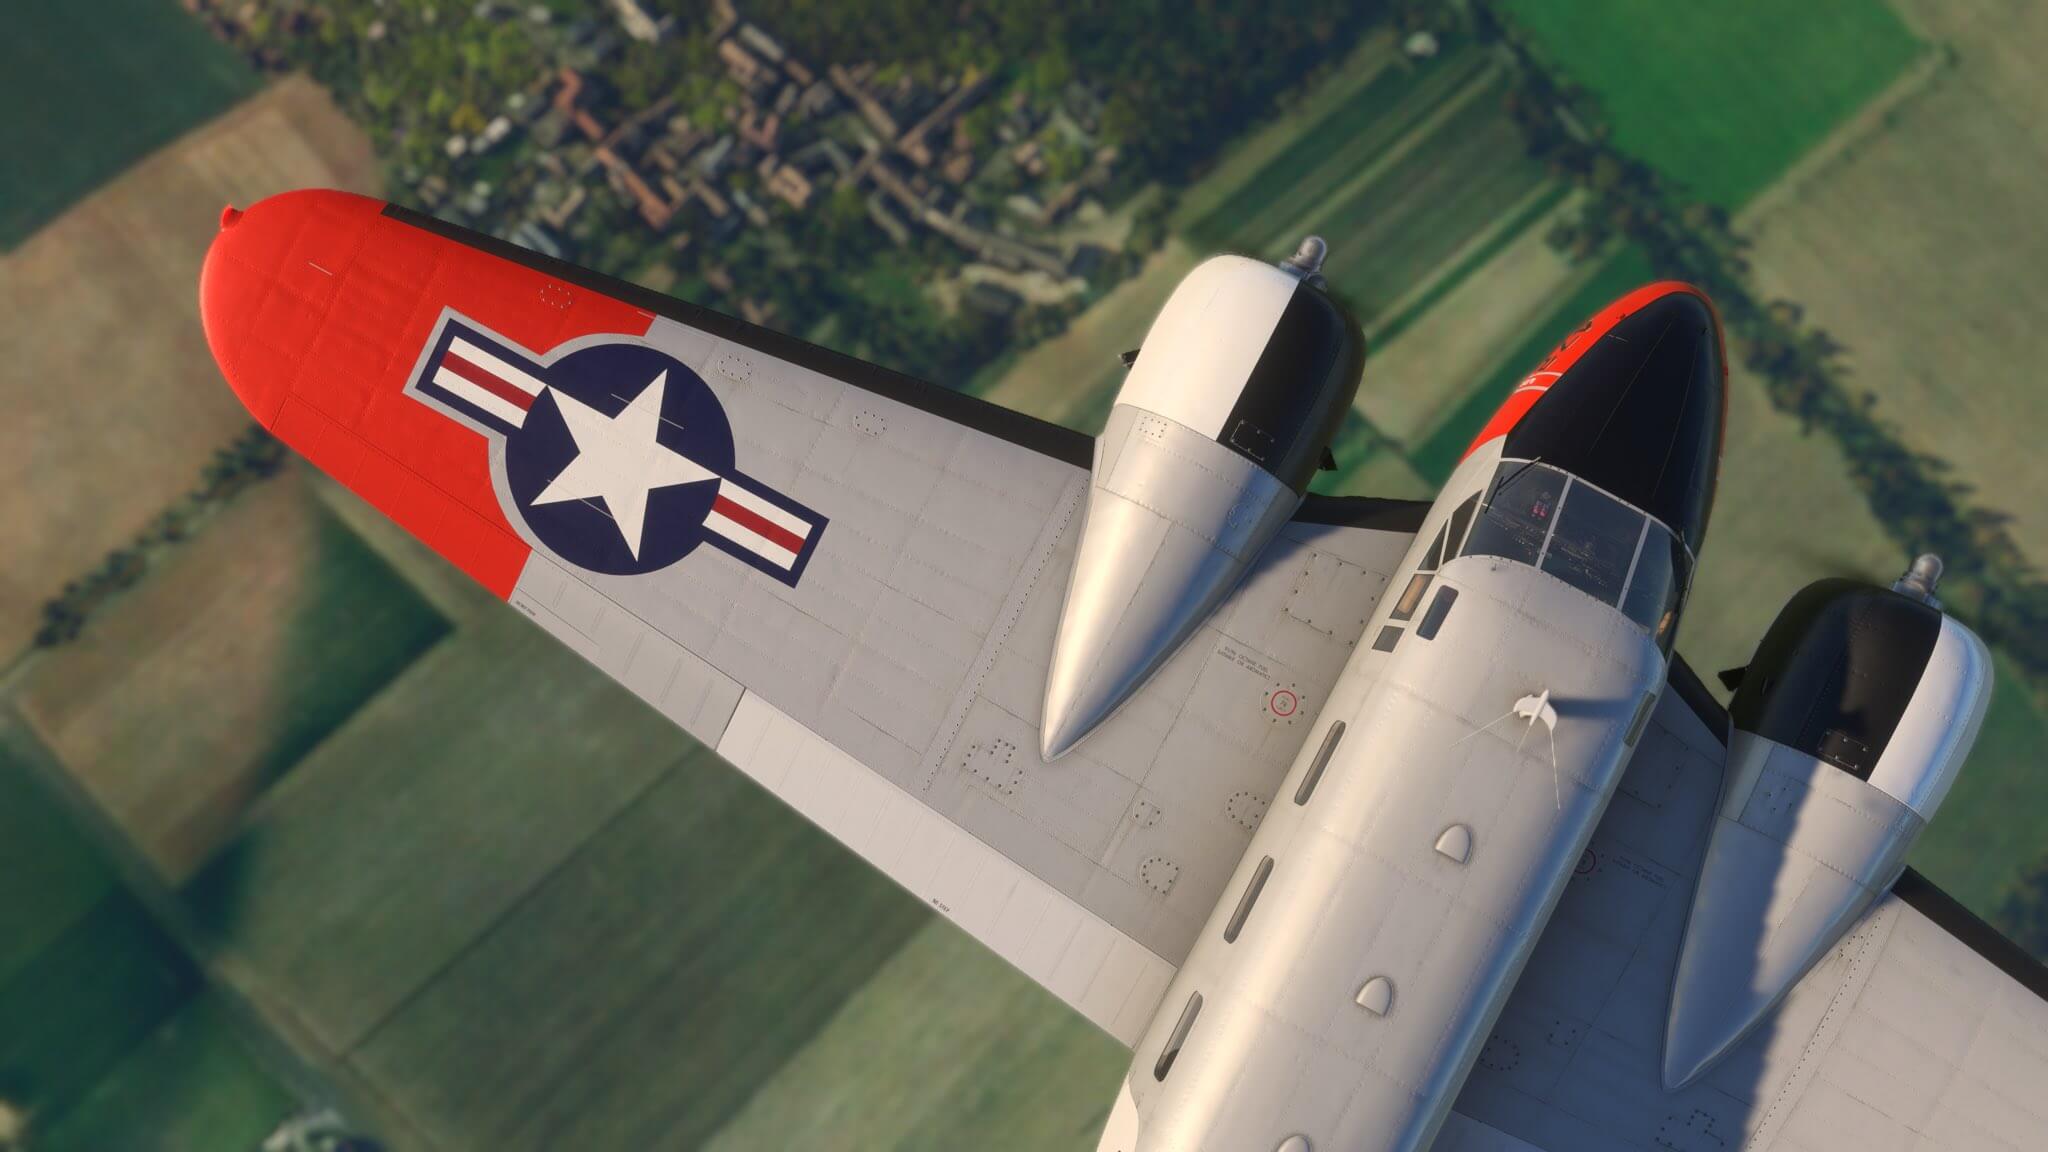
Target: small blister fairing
{"type": "Point", "coordinates": [1849, 727]}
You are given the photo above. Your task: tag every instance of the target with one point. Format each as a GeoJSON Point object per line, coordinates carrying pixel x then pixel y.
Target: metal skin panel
{"type": "Point", "coordinates": [1927, 750]}
{"type": "Point", "coordinates": [1174, 521]}
{"type": "Point", "coordinates": [1358, 889]}
{"type": "Point", "coordinates": [1799, 851]}
{"type": "Point", "coordinates": [915, 635]}
{"type": "Point", "coordinates": [1901, 1036]}
{"type": "Point", "coordinates": [920, 636]}
{"type": "Point", "coordinates": [1802, 848]}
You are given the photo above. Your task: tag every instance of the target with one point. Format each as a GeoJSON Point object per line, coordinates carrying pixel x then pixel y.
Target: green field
{"type": "Point", "coordinates": [290, 622]}
{"type": "Point", "coordinates": [1988, 834]}
{"type": "Point", "coordinates": [70, 75]}
{"type": "Point", "coordinates": [1326, 153]}
{"type": "Point", "coordinates": [1397, 177]}
{"type": "Point", "coordinates": [1722, 98]}
{"type": "Point", "coordinates": [106, 1037]}
{"type": "Point", "coordinates": [968, 1053]}
{"type": "Point", "coordinates": [1415, 176]}
{"type": "Point", "coordinates": [1438, 454]}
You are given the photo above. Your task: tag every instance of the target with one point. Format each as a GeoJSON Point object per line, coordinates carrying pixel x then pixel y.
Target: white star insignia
{"type": "Point", "coordinates": [619, 460]}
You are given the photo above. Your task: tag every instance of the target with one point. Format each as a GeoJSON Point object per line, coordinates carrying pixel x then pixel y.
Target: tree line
{"type": "Point", "coordinates": [251, 456]}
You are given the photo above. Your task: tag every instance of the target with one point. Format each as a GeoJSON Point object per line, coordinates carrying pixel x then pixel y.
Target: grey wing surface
{"type": "Point", "coordinates": [892, 695]}
{"type": "Point", "coordinates": [1922, 1030]}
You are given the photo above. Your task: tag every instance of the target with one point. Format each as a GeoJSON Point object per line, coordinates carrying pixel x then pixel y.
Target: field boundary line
{"type": "Point", "coordinates": [1342, 194]}
{"type": "Point", "coordinates": [1869, 121]}
{"type": "Point", "coordinates": [1499, 228]}
{"type": "Point", "coordinates": [1258, 148]}
{"type": "Point", "coordinates": [1582, 273]}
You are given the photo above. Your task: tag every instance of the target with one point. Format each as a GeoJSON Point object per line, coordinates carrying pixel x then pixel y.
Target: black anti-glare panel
{"type": "Point", "coordinates": [1836, 670]}
{"type": "Point", "coordinates": [1639, 414]}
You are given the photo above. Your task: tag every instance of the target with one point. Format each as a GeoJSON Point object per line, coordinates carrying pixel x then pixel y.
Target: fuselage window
{"type": "Point", "coordinates": [1322, 761]}
{"type": "Point", "coordinates": [1438, 609]}
{"type": "Point", "coordinates": [1388, 637]}
{"type": "Point", "coordinates": [1179, 1038]}
{"type": "Point", "coordinates": [1245, 902]}
{"type": "Point", "coordinates": [1459, 520]}
{"type": "Point", "coordinates": [1411, 596]}
{"type": "Point", "coordinates": [1656, 585]}
{"type": "Point", "coordinates": [1435, 555]}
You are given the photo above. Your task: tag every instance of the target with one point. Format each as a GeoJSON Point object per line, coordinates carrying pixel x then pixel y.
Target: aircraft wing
{"type": "Point", "coordinates": [844, 580]}
{"type": "Point", "coordinates": [1924, 1029]}
{"type": "Point", "coordinates": [856, 607]}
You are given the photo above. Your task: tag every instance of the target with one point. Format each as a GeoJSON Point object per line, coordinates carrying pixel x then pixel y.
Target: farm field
{"type": "Point", "coordinates": [1419, 372]}
{"type": "Point", "coordinates": [758, 930]}
{"type": "Point", "coordinates": [71, 84]}
{"type": "Point", "coordinates": [504, 906]}
{"type": "Point", "coordinates": [1412, 172]}
{"type": "Point", "coordinates": [103, 300]}
{"type": "Point", "coordinates": [1920, 250]}
{"type": "Point", "coordinates": [1436, 449]}
{"type": "Point", "coordinates": [106, 1037]}
{"type": "Point", "coordinates": [1723, 98]}
{"type": "Point", "coordinates": [956, 1049]}
{"type": "Point", "coordinates": [282, 621]}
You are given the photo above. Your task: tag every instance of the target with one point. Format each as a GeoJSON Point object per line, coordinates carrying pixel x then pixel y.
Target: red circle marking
{"type": "Point", "coordinates": [1283, 702]}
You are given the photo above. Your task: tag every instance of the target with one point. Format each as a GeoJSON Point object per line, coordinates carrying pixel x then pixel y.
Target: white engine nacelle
{"type": "Point", "coordinates": [1226, 414]}
{"type": "Point", "coordinates": [1850, 725]}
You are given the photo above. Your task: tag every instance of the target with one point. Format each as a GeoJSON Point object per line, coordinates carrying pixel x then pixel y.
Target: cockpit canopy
{"type": "Point", "coordinates": [1534, 514]}
{"type": "Point", "coordinates": [1639, 413]}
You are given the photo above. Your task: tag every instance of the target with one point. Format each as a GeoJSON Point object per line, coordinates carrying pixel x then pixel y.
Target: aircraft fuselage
{"type": "Point", "coordinates": [1345, 983]}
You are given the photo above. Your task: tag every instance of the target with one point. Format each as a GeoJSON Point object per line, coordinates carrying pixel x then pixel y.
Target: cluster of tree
{"type": "Point", "coordinates": [1177, 78]}
{"type": "Point", "coordinates": [411, 71]}
{"type": "Point", "coordinates": [1174, 84]}
{"type": "Point", "coordinates": [253, 455]}
{"type": "Point", "coordinates": [1989, 580]}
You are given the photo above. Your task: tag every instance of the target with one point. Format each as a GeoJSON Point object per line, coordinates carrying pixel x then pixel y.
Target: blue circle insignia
{"type": "Point", "coordinates": [598, 438]}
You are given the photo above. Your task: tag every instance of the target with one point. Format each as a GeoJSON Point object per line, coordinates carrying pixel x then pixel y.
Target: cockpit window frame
{"type": "Point", "coordinates": [1510, 469]}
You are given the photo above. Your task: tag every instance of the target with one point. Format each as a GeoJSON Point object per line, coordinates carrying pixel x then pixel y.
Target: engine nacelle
{"type": "Point", "coordinates": [1849, 726]}
{"type": "Point", "coordinates": [1227, 412]}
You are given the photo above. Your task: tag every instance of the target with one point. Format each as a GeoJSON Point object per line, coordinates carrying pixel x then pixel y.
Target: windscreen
{"type": "Point", "coordinates": [1537, 515]}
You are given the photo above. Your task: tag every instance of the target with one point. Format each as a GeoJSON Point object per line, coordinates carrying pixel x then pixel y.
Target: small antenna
{"type": "Point", "coordinates": [1533, 708]}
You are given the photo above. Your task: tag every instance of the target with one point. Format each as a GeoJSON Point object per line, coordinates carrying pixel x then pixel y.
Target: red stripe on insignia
{"type": "Point", "coordinates": [758, 524]}
{"type": "Point", "coordinates": [514, 396]}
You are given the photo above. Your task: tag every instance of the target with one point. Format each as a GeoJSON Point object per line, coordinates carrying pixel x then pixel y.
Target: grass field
{"type": "Point", "coordinates": [70, 72]}
{"type": "Point", "coordinates": [511, 908]}
{"type": "Point", "coordinates": [1436, 451]}
{"type": "Point", "coordinates": [1921, 251]}
{"type": "Point", "coordinates": [287, 621]}
{"type": "Point", "coordinates": [1407, 170]}
{"type": "Point", "coordinates": [946, 1047]}
{"type": "Point", "coordinates": [189, 1085]}
{"type": "Point", "coordinates": [1722, 98]}
{"type": "Point", "coordinates": [1985, 840]}
{"type": "Point", "coordinates": [105, 1036]}
{"type": "Point", "coordinates": [541, 1034]}
{"type": "Point", "coordinates": [1350, 138]}
{"type": "Point", "coordinates": [113, 402]}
